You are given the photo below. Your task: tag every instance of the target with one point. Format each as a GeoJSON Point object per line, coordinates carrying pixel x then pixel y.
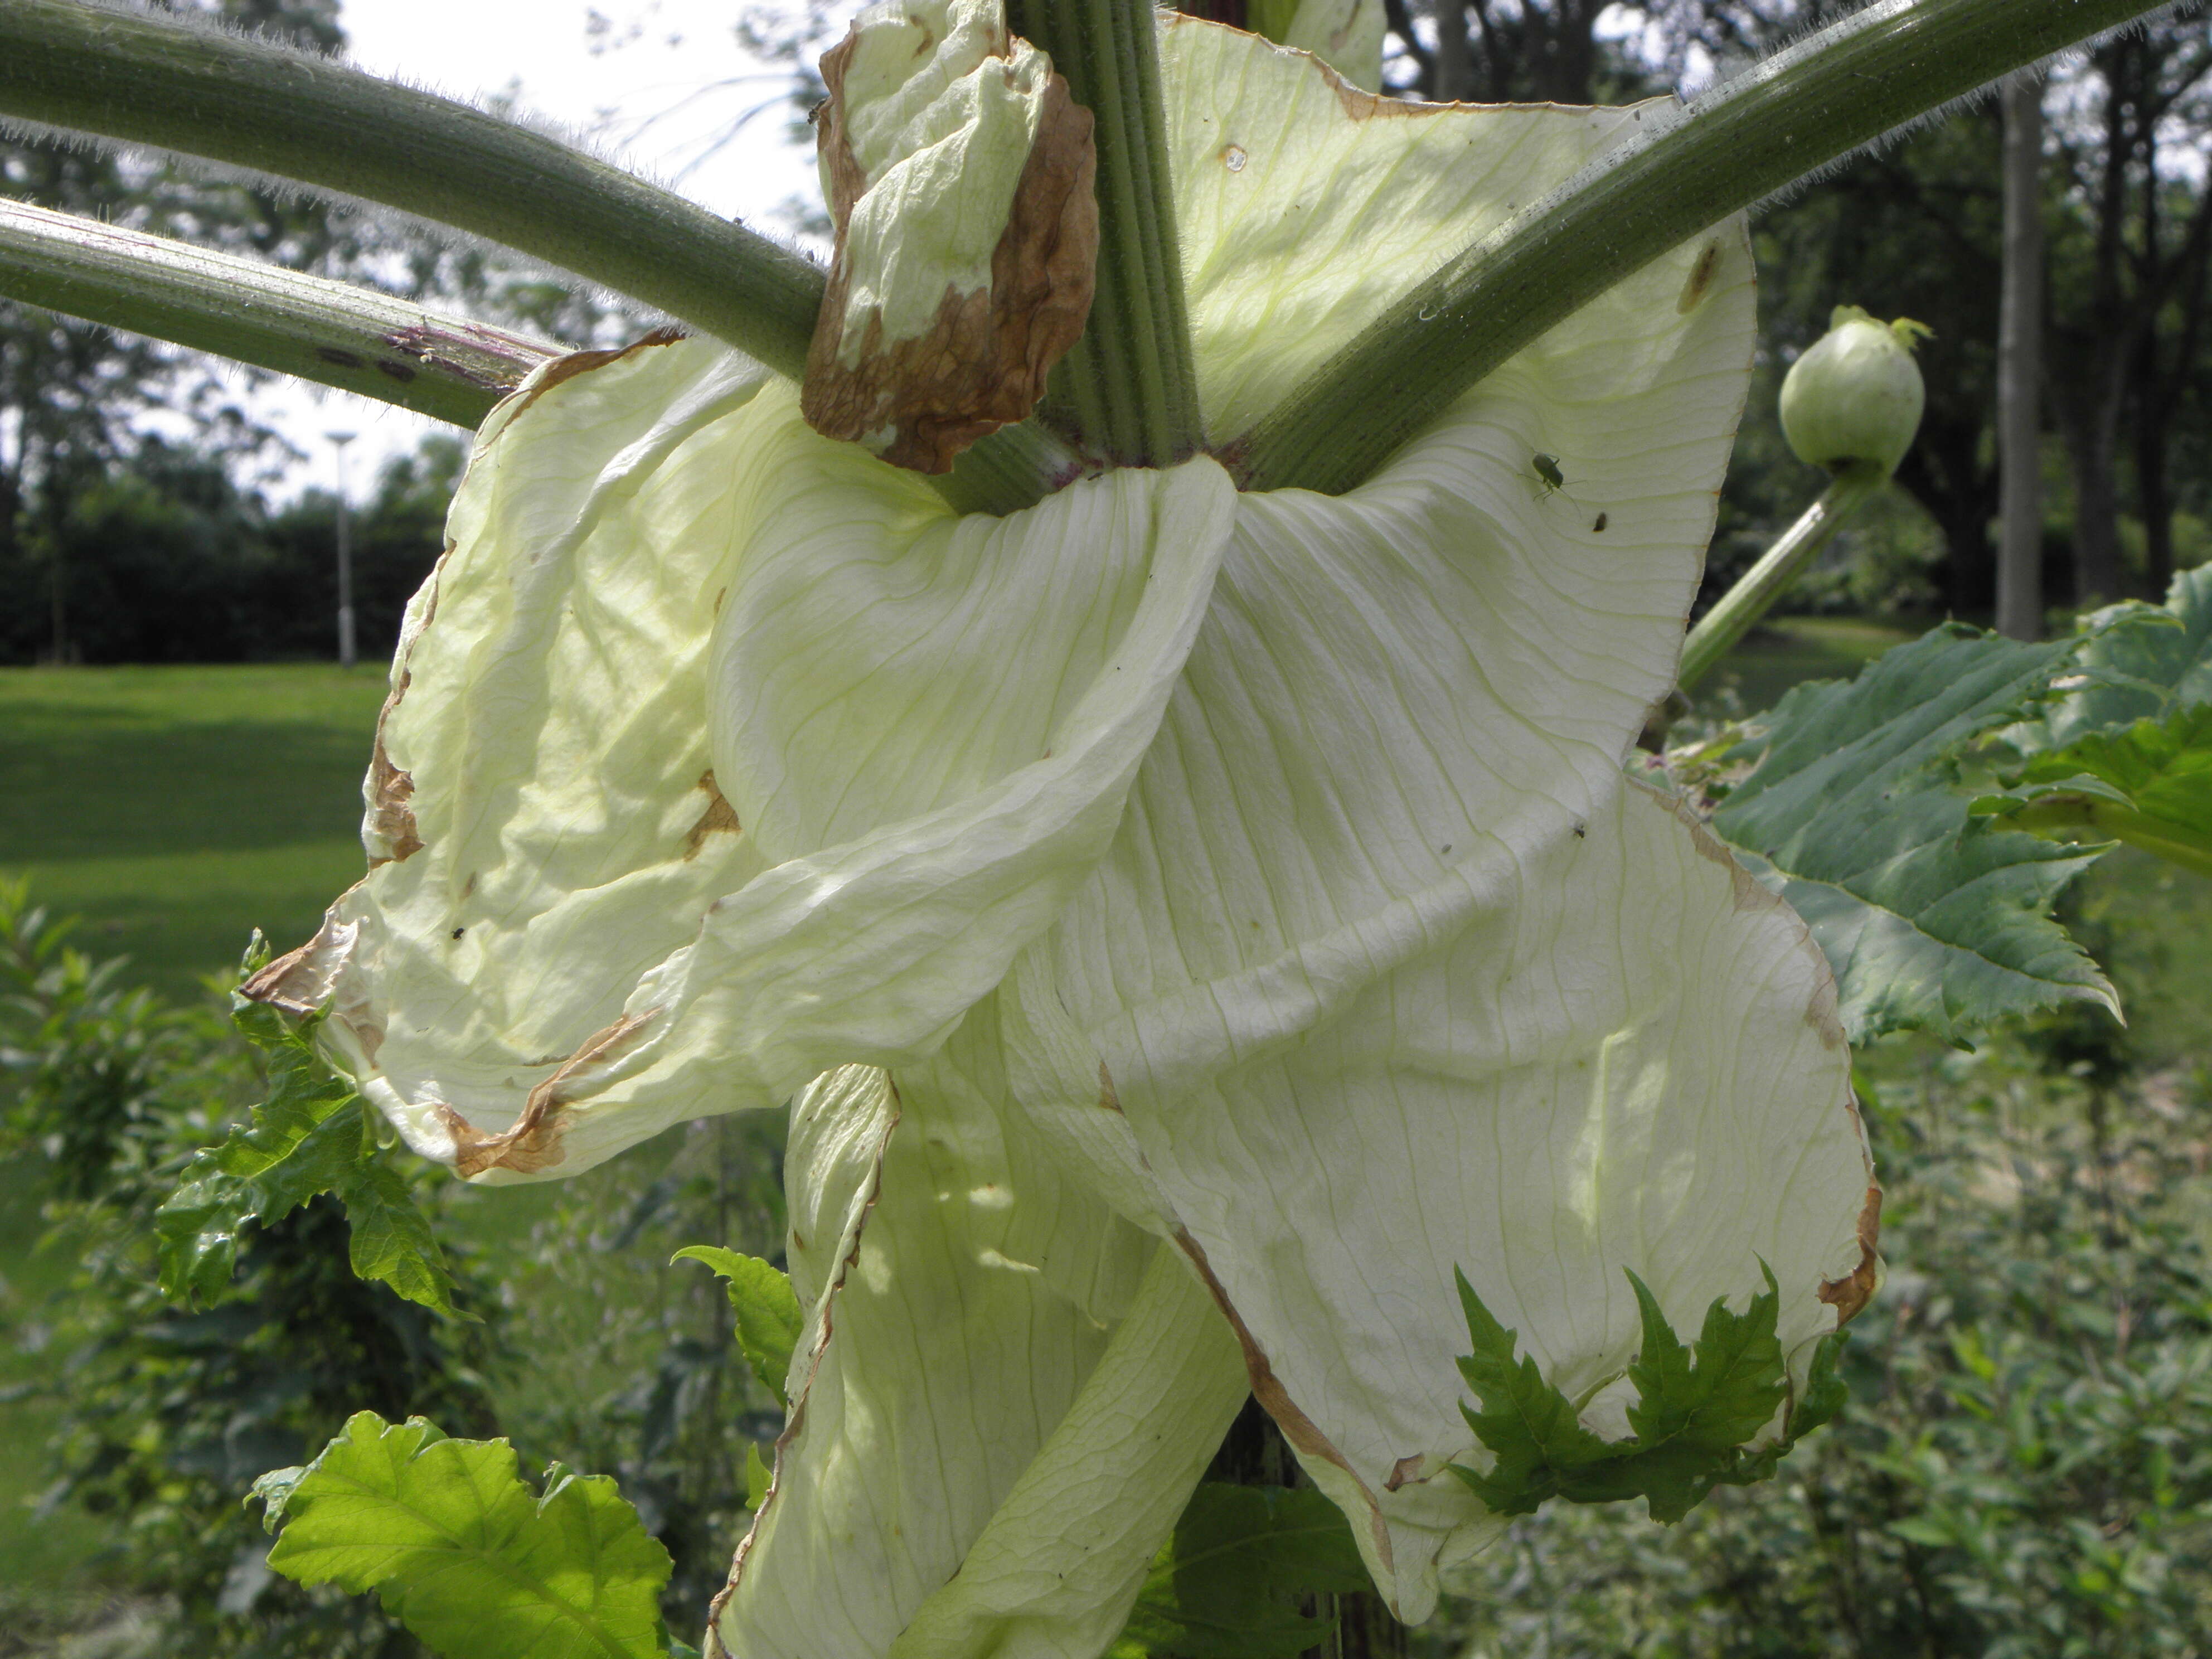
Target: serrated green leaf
{"type": "Point", "coordinates": [1824, 1393]}
{"type": "Point", "coordinates": [1721, 1394]}
{"type": "Point", "coordinates": [1695, 1409]}
{"type": "Point", "coordinates": [1534, 1430]}
{"type": "Point", "coordinates": [768, 1315]}
{"type": "Point", "coordinates": [310, 1137]}
{"type": "Point", "coordinates": [2137, 662]}
{"type": "Point", "coordinates": [2126, 753]}
{"type": "Point", "coordinates": [392, 1239]}
{"type": "Point", "coordinates": [1227, 1583]}
{"type": "Point", "coordinates": [757, 1477]}
{"type": "Point", "coordinates": [2149, 784]}
{"type": "Point", "coordinates": [465, 1555]}
{"type": "Point", "coordinates": [1930, 917]}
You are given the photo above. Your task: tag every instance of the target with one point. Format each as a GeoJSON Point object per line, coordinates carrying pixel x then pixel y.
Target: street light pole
{"type": "Point", "coordinates": [347, 655]}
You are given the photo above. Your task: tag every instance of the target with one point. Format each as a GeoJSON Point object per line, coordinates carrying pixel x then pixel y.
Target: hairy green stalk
{"type": "Point", "coordinates": [332, 332]}
{"type": "Point", "coordinates": [1754, 594]}
{"type": "Point", "coordinates": [128, 75]}
{"type": "Point", "coordinates": [1833, 91]}
{"type": "Point", "coordinates": [140, 78]}
{"type": "Point", "coordinates": [1129, 387]}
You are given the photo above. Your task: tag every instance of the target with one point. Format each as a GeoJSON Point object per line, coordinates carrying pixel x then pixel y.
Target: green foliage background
{"type": "Point", "coordinates": [2022, 1469]}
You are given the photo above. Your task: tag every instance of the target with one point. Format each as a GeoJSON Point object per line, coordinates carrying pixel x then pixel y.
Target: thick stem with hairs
{"type": "Point", "coordinates": [1794, 112]}
{"type": "Point", "coordinates": [338, 335]}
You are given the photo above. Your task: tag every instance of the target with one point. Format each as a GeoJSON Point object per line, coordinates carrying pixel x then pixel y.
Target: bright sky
{"type": "Point", "coordinates": [645, 97]}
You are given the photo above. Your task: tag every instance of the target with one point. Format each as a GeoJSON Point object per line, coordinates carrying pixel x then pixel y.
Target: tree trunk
{"type": "Point", "coordinates": [2153, 499]}
{"type": "Point", "coordinates": [1574, 49]}
{"type": "Point", "coordinates": [2020, 366]}
{"type": "Point", "coordinates": [1455, 82]}
{"type": "Point", "coordinates": [2091, 421]}
{"type": "Point", "coordinates": [1254, 1453]}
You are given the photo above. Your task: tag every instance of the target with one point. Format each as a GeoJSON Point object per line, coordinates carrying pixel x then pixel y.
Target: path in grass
{"type": "Point", "coordinates": [177, 809]}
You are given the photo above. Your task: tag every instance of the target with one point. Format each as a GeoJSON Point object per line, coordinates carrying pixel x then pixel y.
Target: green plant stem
{"type": "Point", "coordinates": [139, 77]}
{"type": "Point", "coordinates": [1752, 596]}
{"type": "Point", "coordinates": [1833, 91]}
{"type": "Point", "coordinates": [332, 332]}
{"type": "Point", "coordinates": [143, 79]}
{"type": "Point", "coordinates": [1129, 388]}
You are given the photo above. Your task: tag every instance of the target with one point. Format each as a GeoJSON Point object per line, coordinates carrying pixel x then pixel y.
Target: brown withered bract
{"type": "Point", "coordinates": [984, 363]}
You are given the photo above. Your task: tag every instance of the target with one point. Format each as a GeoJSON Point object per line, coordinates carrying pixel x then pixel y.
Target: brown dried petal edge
{"type": "Point", "coordinates": [984, 362]}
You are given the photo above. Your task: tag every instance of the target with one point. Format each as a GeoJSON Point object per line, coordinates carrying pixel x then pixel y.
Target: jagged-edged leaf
{"type": "Point", "coordinates": [768, 1317]}
{"type": "Point", "coordinates": [1227, 1585]}
{"type": "Point", "coordinates": [758, 1476]}
{"type": "Point", "coordinates": [1931, 917]}
{"type": "Point", "coordinates": [1718, 1395]}
{"type": "Point", "coordinates": [2138, 662]}
{"type": "Point", "coordinates": [2126, 753]}
{"type": "Point", "coordinates": [391, 1237]}
{"type": "Point", "coordinates": [1533, 1429]}
{"type": "Point", "coordinates": [471, 1561]}
{"type": "Point", "coordinates": [2149, 784]}
{"type": "Point", "coordinates": [1696, 1409]}
{"type": "Point", "coordinates": [313, 1135]}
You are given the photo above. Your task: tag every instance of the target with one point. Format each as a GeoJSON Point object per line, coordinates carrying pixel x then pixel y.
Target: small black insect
{"type": "Point", "coordinates": [1597, 528]}
{"type": "Point", "coordinates": [1547, 469]}
{"type": "Point", "coordinates": [1582, 831]}
{"type": "Point", "coordinates": [458, 932]}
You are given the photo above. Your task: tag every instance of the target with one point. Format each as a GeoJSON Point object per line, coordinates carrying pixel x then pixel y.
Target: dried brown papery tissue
{"type": "Point", "coordinates": [983, 363]}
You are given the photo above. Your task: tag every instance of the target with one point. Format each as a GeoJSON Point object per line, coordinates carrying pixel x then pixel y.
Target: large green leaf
{"type": "Point", "coordinates": [1227, 1585]}
{"type": "Point", "coordinates": [1695, 1408]}
{"type": "Point", "coordinates": [465, 1555]}
{"type": "Point", "coordinates": [1857, 815]}
{"type": "Point", "coordinates": [768, 1317]}
{"type": "Point", "coordinates": [2139, 662]}
{"type": "Point", "coordinates": [313, 1135]}
{"type": "Point", "coordinates": [2148, 785]}
{"type": "Point", "coordinates": [2127, 754]}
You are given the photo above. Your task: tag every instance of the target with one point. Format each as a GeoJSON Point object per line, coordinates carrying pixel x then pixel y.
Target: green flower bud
{"type": "Point", "coordinates": [1856, 395]}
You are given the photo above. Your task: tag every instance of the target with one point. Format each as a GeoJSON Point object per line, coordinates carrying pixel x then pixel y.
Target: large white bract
{"type": "Point", "coordinates": [1188, 924]}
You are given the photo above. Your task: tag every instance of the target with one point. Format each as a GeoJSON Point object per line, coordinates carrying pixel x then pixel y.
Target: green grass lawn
{"type": "Point", "coordinates": [178, 809]}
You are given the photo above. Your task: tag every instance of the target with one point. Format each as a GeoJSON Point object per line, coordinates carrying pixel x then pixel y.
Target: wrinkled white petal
{"type": "Point", "coordinates": [608, 679]}
{"type": "Point", "coordinates": [975, 1456]}
{"type": "Point", "coordinates": [1306, 208]}
{"type": "Point", "coordinates": [1389, 975]}
{"type": "Point", "coordinates": [1612, 1050]}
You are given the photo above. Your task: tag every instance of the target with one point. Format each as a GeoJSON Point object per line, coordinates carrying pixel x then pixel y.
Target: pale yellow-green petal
{"type": "Point", "coordinates": [1305, 208]}
{"type": "Point", "coordinates": [978, 1462]}
{"type": "Point", "coordinates": [687, 821]}
{"type": "Point", "coordinates": [1609, 1050]}
{"type": "Point", "coordinates": [1053, 1574]}
{"type": "Point", "coordinates": [1345, 34]}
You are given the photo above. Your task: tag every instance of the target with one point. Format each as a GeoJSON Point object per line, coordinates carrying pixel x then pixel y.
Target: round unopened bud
{"type": "Point", "coordinates": [1856, 395]}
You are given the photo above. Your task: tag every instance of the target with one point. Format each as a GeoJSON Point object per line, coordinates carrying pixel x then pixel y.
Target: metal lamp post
{"type": "Point", "coordinates": [347, 655]}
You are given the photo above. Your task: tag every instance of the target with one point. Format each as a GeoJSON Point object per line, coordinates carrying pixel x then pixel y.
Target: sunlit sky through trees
{"type": "Point", "coordinates": [640, 87]}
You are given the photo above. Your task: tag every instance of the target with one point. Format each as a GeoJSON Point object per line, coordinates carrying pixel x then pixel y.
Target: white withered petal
{"type": "Point", "coordinates": [1192, 924]}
